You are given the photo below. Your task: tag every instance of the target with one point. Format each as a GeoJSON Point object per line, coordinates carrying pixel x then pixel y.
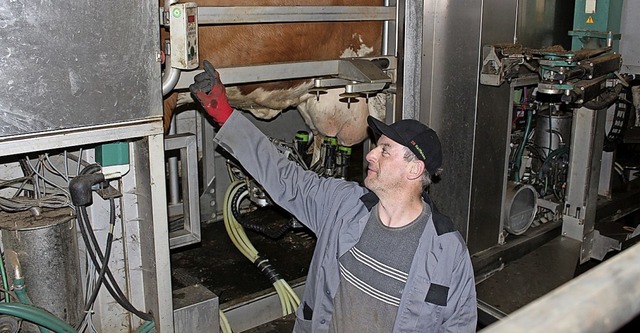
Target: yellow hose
{"type": "Point", "coordinates": [289, 301]}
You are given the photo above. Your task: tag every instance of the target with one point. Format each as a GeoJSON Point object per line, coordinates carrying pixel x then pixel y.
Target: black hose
{"type": "Point", "coordinates": [111, 285]}
{"type": "Point", "coordinates": [254, 227]}
{"type": "Point", "coordinates": [107, 255]}
{"type": "Point", "coordinates": [91, 168]}
{"type": "Point", "coordinates": [92, 245]}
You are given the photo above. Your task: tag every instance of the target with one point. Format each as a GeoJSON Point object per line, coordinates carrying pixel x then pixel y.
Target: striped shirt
{"type": "Point", "coordinates": [373, 275]}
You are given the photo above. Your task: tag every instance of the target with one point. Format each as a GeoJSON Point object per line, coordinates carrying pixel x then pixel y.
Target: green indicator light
{"type": "Point", "coordinates": [177, 12]}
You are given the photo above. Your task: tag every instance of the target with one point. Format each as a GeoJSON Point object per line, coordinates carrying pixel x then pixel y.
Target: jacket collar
{"type": "Point", "coordinates": [370, 199]}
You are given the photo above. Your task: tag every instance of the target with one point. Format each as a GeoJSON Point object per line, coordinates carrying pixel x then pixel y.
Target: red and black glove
{"type": "Point", "coordinates": [209, 91]}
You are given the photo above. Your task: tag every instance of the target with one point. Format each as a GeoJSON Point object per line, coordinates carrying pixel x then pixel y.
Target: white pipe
{"type": "Point", "coordinates": [601, 300]}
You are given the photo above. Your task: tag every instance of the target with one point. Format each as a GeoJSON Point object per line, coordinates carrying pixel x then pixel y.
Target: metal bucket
{"type": "Point", "coordinates": [46, 249]}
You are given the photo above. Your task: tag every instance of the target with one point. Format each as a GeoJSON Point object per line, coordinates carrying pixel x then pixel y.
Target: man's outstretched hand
{"type": "Point", "coordinates": [209, 91]}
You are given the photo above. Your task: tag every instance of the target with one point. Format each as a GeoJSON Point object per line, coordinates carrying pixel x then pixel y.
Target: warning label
{"type": "Point", "coordinates": [590, 20]}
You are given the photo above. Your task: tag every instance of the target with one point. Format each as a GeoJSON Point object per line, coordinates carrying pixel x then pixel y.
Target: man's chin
{"type": "Point", "coordinates": [368, 183]}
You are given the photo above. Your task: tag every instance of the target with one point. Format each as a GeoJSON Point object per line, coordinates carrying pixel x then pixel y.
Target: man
{"type": "Point", "coordinates": [384, 261]}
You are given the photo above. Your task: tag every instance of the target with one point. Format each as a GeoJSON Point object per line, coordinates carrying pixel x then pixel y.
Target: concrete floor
{"type": "Point", "coordinates": [216, 264]}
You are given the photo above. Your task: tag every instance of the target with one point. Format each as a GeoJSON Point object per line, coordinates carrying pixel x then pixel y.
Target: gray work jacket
{"type": "Point", "coordinates": [440, 292]}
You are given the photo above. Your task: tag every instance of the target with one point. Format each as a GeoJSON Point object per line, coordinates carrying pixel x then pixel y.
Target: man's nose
{"type": "Point", "coordinates": [371, 155]}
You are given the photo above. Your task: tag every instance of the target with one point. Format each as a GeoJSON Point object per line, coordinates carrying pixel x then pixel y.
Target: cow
{"type": "Point", "coordinates": [250, 44]}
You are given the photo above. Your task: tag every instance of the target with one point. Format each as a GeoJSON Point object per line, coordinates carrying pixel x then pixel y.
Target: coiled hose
{"type": "Point", "coordinates": [289, 301]}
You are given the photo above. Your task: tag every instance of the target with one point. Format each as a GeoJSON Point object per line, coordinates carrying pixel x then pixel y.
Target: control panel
{"type": "Point", "coordinates": [183, 24]}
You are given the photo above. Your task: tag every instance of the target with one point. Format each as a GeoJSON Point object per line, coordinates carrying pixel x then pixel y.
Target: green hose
{"type": "Point", "coordinates": [5, 283]}
{"type": "Point", "coordinates": [147, 327]}
{"type": "Point", "coordinates": [37, 316]}
{"type": "Point", "coordinates": [521, 148]}
{"type": "Point", "coordinates": [21, 292]}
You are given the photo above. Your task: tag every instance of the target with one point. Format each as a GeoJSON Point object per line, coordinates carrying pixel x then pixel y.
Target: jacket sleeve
{"type": "Point", "coordinates": [303, 193]}
{"type": "Point", "coordinates": [461, 314]}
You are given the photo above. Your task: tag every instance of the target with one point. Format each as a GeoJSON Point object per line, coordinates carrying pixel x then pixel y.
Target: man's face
{"type": "Point", "coordinates": [387, 167]}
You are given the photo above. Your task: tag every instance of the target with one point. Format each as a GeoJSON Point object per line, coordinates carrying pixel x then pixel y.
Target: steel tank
{"type": "Point", "coordinates": [550, 133]}
{"type": "Point", "coordinates": [43, 249]}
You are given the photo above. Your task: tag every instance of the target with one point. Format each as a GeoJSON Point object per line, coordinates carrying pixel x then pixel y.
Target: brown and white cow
{"type": "Point", "coordinates": [249, 44]}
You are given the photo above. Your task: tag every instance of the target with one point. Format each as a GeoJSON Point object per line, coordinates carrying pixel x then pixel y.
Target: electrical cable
{"type": "Point", "coordinates": [11, 293]}
{"type": "Point", "coordinates": [37, 170]}
{"type": "Point", "coordinates": [79, 160]}
{"type": "Point", "coordinates": [52, 168]}
{"type": "Point", "coordinates": [95, 254]}
{"type": "Point", "coordinates": [87, 320]}
{"type": "Point", "coordinates": [550, 148]}
{"type": "Point", "coordinates": [94, 251]}
{"type": "Point", "coordinates": [521, 147]}
{"type": "Point", "coordinates": [56, 199]}
{"type": "Point", "coordinates": [107, 255]}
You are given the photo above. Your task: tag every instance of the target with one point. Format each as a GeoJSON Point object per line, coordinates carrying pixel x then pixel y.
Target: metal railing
{"type": "Point", "coordinates": [601, 300]}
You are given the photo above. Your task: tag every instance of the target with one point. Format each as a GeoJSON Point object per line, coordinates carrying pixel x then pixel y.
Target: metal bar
{"type": "Point", "coordinates": [20, 144]}
{"type": "Point", "coordinates": [154, 243]}
{"type": "Point", "coordinates": [284, 14]}
{"type": "Point", "coordinates": [600, 300]}
{"type": "Point", "coordinates": [389, 31]}
{"type": "Point", "coordinates": [257, 310]}
{"type": "Point", "coordinates": [271, 72]}
{"type": "Point", "coordinates": [174, 186]}
{"type": "Point", "coordinates": [488, 314]}
{"type": "Point", "coordinates": [275, 72]}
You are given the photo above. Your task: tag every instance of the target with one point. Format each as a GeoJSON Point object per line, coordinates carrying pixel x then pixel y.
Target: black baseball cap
{"type": "Point", "coordinates": [418, 137]}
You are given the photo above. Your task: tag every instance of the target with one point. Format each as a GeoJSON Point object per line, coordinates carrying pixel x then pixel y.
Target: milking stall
{"type": "Point", "coordinates": [119, 213]}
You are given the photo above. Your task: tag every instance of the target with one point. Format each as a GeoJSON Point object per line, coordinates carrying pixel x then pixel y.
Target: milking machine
{"type": "Point", "coordinates": [559, 102]}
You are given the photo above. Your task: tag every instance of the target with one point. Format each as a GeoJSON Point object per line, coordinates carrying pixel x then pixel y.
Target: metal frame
{"type": "Point", "coordinates": [579, 216]}
{"type": "Point", "coordinates": [151, 212]}
{"type": "Point", "coordinates": [239, 314]}
{"type": "Point", "coordinates": [280, 14]}
{"type": "Point", "coordinates": [282, 71]}
{"type": "Point", "coordinates": [20, 144]}
{"type": "Point", "coordinates": [190, 205]}
{"type": "Point", "coordinates": [275, 72]}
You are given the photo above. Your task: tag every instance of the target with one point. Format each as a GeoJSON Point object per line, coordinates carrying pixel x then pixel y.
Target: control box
{"type": "Point", "coordinates": [183, 24]}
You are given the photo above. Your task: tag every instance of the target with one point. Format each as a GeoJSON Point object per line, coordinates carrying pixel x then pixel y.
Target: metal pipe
{"type": "Point", "coordinates": [174, 187]}
{"type": "Point", "coordinates": [600, 300]}
{"type": "Point", "coordinates": [168, 3]}
{"type": "Point", "coordinates": [170, 78]}
{"type": "Point", "coordinates": [12, 258]}
{"type": "Point", "coordinates": [289, 14]}
{"type": "Point", "coordinates": [171, 75]}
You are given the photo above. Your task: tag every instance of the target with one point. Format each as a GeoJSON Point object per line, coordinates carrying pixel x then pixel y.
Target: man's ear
{"type": "Point", "coordinates": [416, 169]}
